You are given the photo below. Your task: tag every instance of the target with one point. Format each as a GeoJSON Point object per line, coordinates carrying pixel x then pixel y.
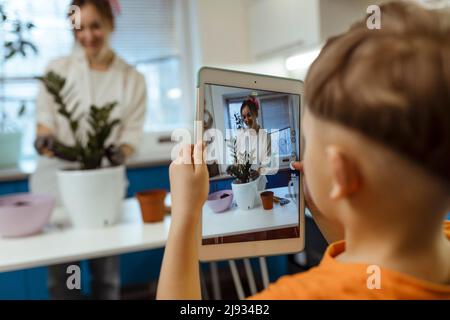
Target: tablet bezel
{"type": "Point", "coordinates": [214, 76]}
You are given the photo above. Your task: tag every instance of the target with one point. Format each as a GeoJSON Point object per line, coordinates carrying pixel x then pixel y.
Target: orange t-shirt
{"type": "Point", "coordinates": [336, 280]}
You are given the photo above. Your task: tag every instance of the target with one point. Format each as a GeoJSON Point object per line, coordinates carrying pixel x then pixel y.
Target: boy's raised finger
{"type": "Point", "coordinates": [184, 155]}
{"type": "Point", "coordinates": [298, 165]}
{"type": "Point", "coordinates": [198, 154]}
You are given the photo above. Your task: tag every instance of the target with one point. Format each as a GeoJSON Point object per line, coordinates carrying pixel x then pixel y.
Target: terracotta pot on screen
{"type": "Point", "coordinates": [267, 200]}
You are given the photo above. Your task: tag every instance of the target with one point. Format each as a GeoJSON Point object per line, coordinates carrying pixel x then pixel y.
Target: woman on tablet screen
{"type": "Point", "coordinates": [249, 114]}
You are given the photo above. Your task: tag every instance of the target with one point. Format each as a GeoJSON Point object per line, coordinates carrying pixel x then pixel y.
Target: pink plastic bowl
{"type": "Point", "coordinates": [217, 204]}
{"type": "Point", "coordinates": [24, 214]}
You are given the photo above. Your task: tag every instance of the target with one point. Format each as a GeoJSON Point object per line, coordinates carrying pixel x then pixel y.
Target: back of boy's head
{"type": "Point", "coordinates": [392, 85]}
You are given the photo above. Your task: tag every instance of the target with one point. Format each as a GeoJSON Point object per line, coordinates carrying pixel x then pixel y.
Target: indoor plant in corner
{"type": "Point", "coordinates": [92, 194]}
{"type": "Point", "coordinates": [248, 182]}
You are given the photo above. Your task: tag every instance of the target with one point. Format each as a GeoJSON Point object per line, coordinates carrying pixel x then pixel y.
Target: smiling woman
{"type": "Point", "coordinates": [93, 75]}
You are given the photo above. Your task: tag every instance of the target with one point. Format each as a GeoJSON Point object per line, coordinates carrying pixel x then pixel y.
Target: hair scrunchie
{"type": "Point", "coordinates": [254, 100]}
{"type": "Point", "coordinates": [115, 5]}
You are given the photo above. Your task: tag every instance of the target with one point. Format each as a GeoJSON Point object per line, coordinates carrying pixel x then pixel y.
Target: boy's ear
{"type": "Point", "coordinates": [345, 174]}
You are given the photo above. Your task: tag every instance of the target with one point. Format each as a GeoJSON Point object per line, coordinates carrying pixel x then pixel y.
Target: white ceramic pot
{"type": "Point", "coordinates": [11, 143]}
{"type": "Point", "coordinates": [93, 198]}
{"type": "Point", "coordinates": [247, 194]}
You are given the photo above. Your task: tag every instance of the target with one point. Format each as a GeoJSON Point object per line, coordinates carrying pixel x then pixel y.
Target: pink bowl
{"type": "Point", "coordinates": [24, 214]}
{"type": "Point", "coordinates": [218, 204]}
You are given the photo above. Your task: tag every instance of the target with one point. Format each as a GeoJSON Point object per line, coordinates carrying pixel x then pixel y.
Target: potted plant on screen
{"type": "Point", "coordinates": [247, 181]}
{"type": "Point", "coordinates": [13, 42]}
{"type": "Point", "coordinates": [91, 192]}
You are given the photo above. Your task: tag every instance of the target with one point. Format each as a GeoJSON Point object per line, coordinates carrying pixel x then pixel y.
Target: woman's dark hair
{"type": "Point", "coordinates": [252, 104]}
{"type": "Point", "coordinates": [103, 6]}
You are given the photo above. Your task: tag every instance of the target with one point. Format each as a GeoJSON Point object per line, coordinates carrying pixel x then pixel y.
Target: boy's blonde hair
{"type": "Point", "coordinates": [392, 84]}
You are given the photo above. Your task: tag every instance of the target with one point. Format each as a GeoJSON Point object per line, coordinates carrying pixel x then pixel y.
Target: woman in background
{"type": "Point", "coordinates": [96, 76]}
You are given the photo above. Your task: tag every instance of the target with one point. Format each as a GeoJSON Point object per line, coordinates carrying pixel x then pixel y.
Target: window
{"type": "Point", "coordinates": [276, 116]}
{"type": "Point", "coordinates": [275, 113]}
{"type": "Point", "coordinates": [145, 37]}
{"type": "Point", "coordinates": [18, 87]}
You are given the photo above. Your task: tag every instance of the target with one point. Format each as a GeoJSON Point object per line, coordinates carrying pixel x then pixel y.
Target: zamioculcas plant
{"type": "Point", "coordinates": [90, 154]}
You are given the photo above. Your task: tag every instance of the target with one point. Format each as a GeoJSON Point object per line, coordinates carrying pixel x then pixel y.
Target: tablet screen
{"type": "Point", "coordinates": [251, 137]}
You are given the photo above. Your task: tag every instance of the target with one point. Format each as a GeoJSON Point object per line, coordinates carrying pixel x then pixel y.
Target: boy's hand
{"type": "Point", "coordinates": [189, 184]}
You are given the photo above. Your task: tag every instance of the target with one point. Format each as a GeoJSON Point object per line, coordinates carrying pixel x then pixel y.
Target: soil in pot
{"type": "Point", "coordinates": [152, 205]}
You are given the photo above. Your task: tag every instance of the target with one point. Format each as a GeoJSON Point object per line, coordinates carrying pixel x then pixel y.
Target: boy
{"type": "Point", "coordinates": [376, 160]}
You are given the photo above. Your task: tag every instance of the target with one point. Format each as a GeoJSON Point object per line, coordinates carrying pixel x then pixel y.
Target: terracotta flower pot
{"type": "Point", "coordinates": [267, 200]}
{"type": "Point", "coordinates": [152, 205]}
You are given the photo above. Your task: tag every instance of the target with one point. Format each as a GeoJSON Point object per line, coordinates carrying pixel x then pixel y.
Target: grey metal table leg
{"type": "Point", "coordinates": [250, 276]}
{"type": "Point", "coordinates": [264, 271]}
{"type": "Point", "coordinates": [217, 294]}
{"type": "Point", "coordinates": [236, 280]}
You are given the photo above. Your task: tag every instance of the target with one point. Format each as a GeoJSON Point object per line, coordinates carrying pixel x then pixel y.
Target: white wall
{"type": "Point", "coordinates": [223, 32]}
{"type": "Point", "coordinates": [259, 35]}
{"type": "Point", "coordinates": [222, 37]}
{"type": "Point", "coordinates": [282, 26]}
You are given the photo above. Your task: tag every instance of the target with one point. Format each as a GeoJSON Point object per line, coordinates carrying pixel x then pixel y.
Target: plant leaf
{"type": "Point", "coordinates": [23, 109]}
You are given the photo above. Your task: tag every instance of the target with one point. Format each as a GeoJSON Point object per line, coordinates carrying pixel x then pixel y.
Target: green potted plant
{"type": "Point", "coordinates": [247, 182]}
{"type": "Point", "coordinates": [91, 192]}
{"type": "Point", "coordinates": [14, 42]}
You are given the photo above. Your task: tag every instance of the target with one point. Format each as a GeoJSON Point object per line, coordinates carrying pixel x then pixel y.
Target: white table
{"type": "Point", "coordinates": [60, 243]}
{"type": "Point", "coordinates": [236, 221]}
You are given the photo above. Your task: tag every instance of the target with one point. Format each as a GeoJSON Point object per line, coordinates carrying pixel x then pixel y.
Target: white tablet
{"type": "Point", "coordinates": [251, 126]}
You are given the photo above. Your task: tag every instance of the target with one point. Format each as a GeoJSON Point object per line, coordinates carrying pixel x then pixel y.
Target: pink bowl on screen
{"type": "Point", "coordinates": [24, 214]}
{"type": "Point", "coordinates": [217, 204]}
